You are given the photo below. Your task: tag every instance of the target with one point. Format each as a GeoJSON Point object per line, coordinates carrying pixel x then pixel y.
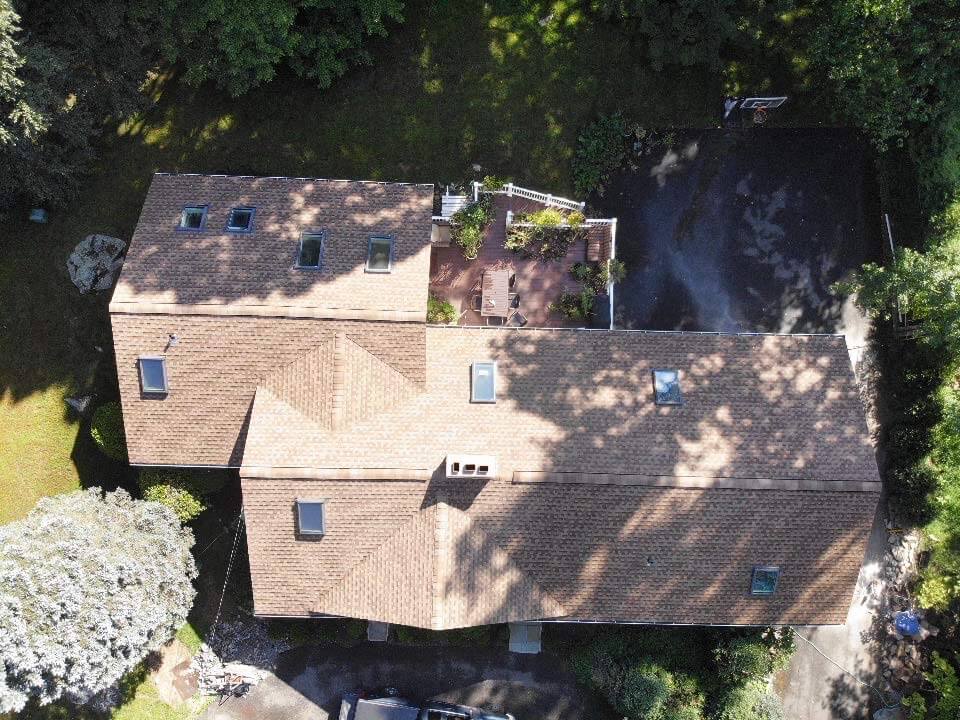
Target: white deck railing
{"type": "Point", "coordinates": [546, 198]}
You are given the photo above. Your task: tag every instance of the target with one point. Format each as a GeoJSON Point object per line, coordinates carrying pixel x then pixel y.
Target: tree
{"type": "Point", "coordinates": [924, 285]}
{"type": "Point", "coordinates": [681, 32]}
{"type": "Point", "coordinates": [240, 43]}
{"type": "Point", "coordinates": [65, 68]}
{"type": "Point", "coordinates": [893, 64]}
{"type": "Point", "coordinates": [89, 585]}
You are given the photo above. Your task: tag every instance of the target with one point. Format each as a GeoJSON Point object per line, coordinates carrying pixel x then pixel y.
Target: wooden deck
{"type": "Point", "coordinates": [538, 283]}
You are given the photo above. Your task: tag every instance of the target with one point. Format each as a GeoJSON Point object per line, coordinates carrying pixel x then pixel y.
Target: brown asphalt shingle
{"type": "Point", "coordinates": [605, 506]}
{"type": "Point", "coordinates": [214, 271]}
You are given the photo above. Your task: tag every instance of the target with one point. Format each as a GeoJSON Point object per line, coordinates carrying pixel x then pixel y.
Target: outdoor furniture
{"type": "Point", "coordinates": [513, 279]}
{"type": "Point", "coordinates": [513, 301]}
{"type": "Point", "coordinates": [517, 320]}
{"type": "Point", "coordinates": [495, 289]}
{"type": "Point", "coordinates": [476, 302]}
{"type": "Point", "coordinates": [495, 320]}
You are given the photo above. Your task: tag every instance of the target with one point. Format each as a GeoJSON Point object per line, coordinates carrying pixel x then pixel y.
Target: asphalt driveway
{"type": "Point", "coordinates": [310, 681]}
{"type": "Point", "coordinates": [743, 231]}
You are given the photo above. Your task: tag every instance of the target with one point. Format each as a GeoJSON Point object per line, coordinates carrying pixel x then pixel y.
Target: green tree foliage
{"type": "Point", "coordinates": [684, 32]}
{"type": "Point", "coordinates": [65, 67]}
{"type": "Point", "coordinates": [240, 44]}
{"type": "Point", "coordinates": [89, 584]}
{"type": "Point", "coordinates": [893, 64]}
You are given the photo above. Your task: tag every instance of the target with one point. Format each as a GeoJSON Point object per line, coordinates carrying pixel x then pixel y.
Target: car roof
{"type": "Point", "coordinates": [386, 709]}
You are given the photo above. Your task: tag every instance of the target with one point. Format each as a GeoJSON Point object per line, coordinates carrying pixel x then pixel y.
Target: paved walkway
{"type": "Point", "coordinates": [310, 682]}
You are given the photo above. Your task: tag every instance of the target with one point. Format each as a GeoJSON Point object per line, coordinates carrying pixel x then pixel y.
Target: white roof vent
{"type": "Point", "coordinates": [471, 466]}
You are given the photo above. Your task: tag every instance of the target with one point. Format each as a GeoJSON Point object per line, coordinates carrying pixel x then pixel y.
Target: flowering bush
{"type": "Point", "coordinates": [89, 585]}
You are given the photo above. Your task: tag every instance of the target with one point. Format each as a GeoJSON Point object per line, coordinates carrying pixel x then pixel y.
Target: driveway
{"type": "Point", "coordinates": [310, 681]}
{"type": "Point", "coordinates": [743, 231]}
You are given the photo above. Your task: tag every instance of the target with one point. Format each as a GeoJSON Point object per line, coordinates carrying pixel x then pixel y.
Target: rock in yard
{"type": "Point", "coordinates": [80, 404]}
{"type": "Point", "coordinates": [95, 262]}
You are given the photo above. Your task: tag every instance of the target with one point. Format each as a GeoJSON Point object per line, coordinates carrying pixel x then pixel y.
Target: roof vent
{"type": "Point", "coordinates": [471, 466]}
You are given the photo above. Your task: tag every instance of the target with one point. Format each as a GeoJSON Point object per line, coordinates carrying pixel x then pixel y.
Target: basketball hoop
{"type": "Point", "coordinates": [760, 115]}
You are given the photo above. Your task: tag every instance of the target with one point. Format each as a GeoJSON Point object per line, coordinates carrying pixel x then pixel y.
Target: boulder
{"type": "Point", "coordinates": [95, 262]}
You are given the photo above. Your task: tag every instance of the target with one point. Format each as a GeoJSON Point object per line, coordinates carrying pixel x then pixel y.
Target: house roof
{"type": "Point", "coordinates": [216, 272]}
{"type": "Point", "coordinates": [605, 505]}
{"type": "Point", "coordinates": [578, 406]}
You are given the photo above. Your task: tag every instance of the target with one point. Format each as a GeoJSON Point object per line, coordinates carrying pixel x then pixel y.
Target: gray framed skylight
{"type": "Point", "coordinates": [241, 219]}
{"type": "Point", "coordinates": [483, 382]}
{"type": "Point", "coordinates": [666, 387]}
{"type": "Point", "coordinates": [764, 580]}
{"type": "Point", "coordinates": [193, 217]}
{"type": "Point", "coordinates": [311, 517]}
{"type": "Point", "coordinates": [310, 253]}
{"type": "Point", "coordinates": [380, 255]}
{"type": "Point", "coordinates": [153, 374]}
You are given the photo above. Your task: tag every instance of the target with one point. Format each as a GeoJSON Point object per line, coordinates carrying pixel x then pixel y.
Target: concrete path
{"type": "Point", "coordinates": [309, 683]}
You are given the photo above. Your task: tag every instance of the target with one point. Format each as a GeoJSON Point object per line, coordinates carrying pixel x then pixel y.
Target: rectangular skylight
{"type": "Point", "coordinates": [153, 374]}
{"type": "Point", "coordinates": [240, 220]}
{"type": "Point", "coordinates": [666, 387]}
{"type": "Point", "coordinates": [380, 254]}
{"type": "Point", "coordinates": [193, 217]}
{"type": "Point", "coordinates": [311, 517]}
{"type": "Point", "coordinates": [310, 254]}
{"type": "Point", "coordinates": [484, 382]}
{"type": "Point", "coordinates": [764, 580]}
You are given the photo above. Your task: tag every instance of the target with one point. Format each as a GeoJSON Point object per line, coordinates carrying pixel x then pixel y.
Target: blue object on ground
{"type": "Point", "coordinates": [907, 622]}
{"type": "Point", "coordinates": [38, 215]}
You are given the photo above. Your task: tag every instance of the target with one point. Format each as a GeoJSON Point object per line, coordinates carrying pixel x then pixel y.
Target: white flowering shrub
{"type": "Point", "coordinates": [89, 585]}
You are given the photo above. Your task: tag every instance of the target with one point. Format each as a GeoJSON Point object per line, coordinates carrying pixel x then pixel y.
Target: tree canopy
{"type": "Point", "coordinates": [89, 584]}
{"type": "Point", "coordinates": [239, 44]}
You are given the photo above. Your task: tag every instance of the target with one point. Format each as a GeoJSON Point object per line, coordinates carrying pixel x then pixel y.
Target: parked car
{"type": "Point", "coordinates": [394, 707]}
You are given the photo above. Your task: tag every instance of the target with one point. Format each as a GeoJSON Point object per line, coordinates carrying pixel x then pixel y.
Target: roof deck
{"type": "Point", "coordinates": [537, 283]}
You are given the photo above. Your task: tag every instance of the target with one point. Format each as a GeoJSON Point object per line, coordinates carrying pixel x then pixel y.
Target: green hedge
{"type": "Point", "coordinates": [106, 429]}
{"type": "Point", "coordinates": [183, 491]}
{"type": "Point", "coordinates": [685, 673]}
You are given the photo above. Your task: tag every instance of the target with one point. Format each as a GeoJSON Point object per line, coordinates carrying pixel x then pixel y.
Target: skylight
{"type": "Point", "coordinates": [193, 217]}
{"type": "Point", "coordinates": [764, 580]}
{"type": "Point", "coordinates": [380, 254]}
{"type": "Point", "coordinates": [484, 382]}
{"type": "Point", "coordinates": [311, 517]}
{"type": "Point", "coordinates": [310, 254]}
{"type": "Point", "coordinates": [240, 220]}
{"type": "Point", "coordinates": [153, 374]}
{"type": "Point", "coordinates": [666, 387]}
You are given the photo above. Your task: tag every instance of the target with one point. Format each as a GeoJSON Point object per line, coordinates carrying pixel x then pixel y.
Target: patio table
{"type": "Point", "coordinates": [494, 291]}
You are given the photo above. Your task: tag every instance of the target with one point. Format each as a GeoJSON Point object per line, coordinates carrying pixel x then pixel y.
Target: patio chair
{"type": "Point", "coordinates": [513, 280]}
{"type": "Point", "coordinates": [513, 300]}
{"type": "Point", "coordinates": [495, 320]}
{"type": "Point", "coordinates": [517, 319]}
{"type": "Point", "coordinates": [476, 303]}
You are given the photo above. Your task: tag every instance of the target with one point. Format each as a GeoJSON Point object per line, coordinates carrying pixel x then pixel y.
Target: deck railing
{"type": "Point", "coordinates": [546, 198]}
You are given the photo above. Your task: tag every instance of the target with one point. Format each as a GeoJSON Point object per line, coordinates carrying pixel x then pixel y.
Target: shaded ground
{"type": "Point", "coordinates": [743, 231]}
{"type": "Point", "coordinates": [309, 682]}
